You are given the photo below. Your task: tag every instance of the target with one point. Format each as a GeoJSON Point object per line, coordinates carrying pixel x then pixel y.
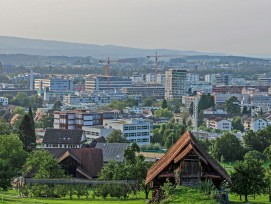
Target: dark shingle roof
{"type": "Point", "coordinates": [113, 151]}
{"type": "Point", "coordinates": [62, 136]}
{"type": "Point", "coordinates": [90, 160]}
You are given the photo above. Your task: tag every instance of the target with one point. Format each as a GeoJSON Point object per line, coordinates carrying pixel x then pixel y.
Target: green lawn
{"type": "Point", "coordinates": [259, 199]}
{"type": "Point", "coordinates": [12, 198]}
{"type": "Point", "coordinates": [182, 195]}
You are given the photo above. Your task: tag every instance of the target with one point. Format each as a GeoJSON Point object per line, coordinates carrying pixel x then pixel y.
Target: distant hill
{"type": "Point", "coordinates": [15, 45]}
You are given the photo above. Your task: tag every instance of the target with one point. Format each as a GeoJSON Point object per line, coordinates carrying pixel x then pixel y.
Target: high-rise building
{"type": "Point", "coordinates": [31, 80]}
{"type": "Point", "coordinates": [175, 84]}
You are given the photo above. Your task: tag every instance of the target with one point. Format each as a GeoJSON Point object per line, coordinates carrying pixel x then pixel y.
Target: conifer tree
{"type": "Point", "coordinates": [27, 131]}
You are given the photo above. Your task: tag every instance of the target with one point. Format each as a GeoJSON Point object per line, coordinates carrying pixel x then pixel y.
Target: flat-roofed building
{"type": "Point", "coordinates": [101, 83]}
{"type": "Point", "coordinates": [77, 118]}
{"type": "Point", "coordinates": [145, 91]}
{"type": "Point", "coordinates": [54, 84]}
{"type": "Point", "coordinates": [135, 130]}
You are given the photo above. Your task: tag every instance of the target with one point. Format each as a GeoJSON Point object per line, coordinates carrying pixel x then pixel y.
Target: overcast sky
{"type": "Point", "coordinates": [225, 26]}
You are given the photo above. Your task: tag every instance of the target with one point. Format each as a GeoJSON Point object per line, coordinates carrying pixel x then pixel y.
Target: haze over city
{"type": "Point", "coordinates": [236, 27]}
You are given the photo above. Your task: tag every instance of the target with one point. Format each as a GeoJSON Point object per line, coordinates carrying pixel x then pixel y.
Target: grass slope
{"type": "Point", "coordinates": [186, 195]}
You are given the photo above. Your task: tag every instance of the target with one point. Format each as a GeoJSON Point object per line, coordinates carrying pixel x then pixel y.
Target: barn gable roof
{"type": "Point", "coordinates": [178, 151]}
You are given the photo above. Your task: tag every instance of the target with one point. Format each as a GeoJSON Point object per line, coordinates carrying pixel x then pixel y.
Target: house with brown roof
{"type": "Point", "coordinates": [83, 163]}
{"type": "Point", "coordinates": [63, 138]}
{"type": "Point", "coordinates": [187, 163]}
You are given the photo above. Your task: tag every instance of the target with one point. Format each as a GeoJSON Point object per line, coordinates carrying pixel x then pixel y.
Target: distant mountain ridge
{"type": "Point", "coordinates": [16, 45]}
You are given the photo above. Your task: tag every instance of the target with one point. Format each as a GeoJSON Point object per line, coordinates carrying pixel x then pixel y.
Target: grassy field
{"type": "Point", "coordinates": [12, 198]}
{"type": "Point", "coordinates": [259, 199]}
{"type": "Point", "coordinates": [182, 195]}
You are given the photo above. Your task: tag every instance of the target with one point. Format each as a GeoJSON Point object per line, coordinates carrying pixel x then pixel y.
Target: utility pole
{"type": "Point", "coordinates": [195, 113]}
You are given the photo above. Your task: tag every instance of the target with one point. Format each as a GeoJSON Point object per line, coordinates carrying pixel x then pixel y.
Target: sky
{"type": "Point", "coordinates": [238, 27]}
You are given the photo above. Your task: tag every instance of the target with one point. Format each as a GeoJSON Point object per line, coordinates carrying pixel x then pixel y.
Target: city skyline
{"type": "Point", "coordinates": [232, 27]}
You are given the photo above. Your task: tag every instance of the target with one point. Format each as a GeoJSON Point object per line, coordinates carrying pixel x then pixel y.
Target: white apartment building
{"type": "Point", "coordinates": [4, 101]}
{"type": "Point", "coordinates": [192, 78]}
{"type": "Point", "coordinates": [137, 78]}
{"type": "Point", "coordinates": [54, 84]}
{"type": "Point", "coordinates": [175, 84]}
{"type": "Point", "coordinates": [161, 79]}
{"type": "Point", "coordinates": [219, 124]}
{"type": "Point", "coordinates": [261, 103]}
{"type": "Point", "coordinates": [258, 124]}
{"type": "Point", "coordinates": [151, 78]}
{"type": "Point", "coordinates": [101, 83]}
{"type": "Point", "coordinates": [135, 129]}
{"type": "Point", "coordinates": [94, 132]}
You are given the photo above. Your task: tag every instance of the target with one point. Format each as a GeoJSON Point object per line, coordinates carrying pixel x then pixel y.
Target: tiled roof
{"type": "Point", "coordinates": [113, 151]}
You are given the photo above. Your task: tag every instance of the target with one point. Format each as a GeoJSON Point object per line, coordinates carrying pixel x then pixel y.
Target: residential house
{"type": "Point", "coordinates": [83, 163]}
{"type": "Point", "coordinates": [62, 138]}
{"type": "Point", "coordinates": [219, 123]}
{"type": "Point", "coordinates": [257, 125]}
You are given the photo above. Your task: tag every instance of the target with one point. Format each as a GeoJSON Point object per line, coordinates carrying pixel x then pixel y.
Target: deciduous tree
{"type": "Point", "coordinates": [116, 137]}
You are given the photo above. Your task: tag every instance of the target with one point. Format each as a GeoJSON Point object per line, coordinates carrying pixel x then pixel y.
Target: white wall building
{"type": "Point", "coordinates": [151, 78]}
{"type": "Point", "coordinates": [54, 84]}
{"type": "Point", "coordinates": [94, 132]}
{"type": "Point", "coordinates": [4, 101]}
{"type": "Point", "coordinates": [135, 129]}
{"type": "Point", "coordinates": [219, 124]}
{"type": "Point", "coordinates": [192, 78]}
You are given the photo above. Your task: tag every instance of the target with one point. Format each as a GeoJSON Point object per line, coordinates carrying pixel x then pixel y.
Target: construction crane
{"type": "Point", "coordinates": [156, 57]}
{"type": "Point", "coordinates": [108, 61]}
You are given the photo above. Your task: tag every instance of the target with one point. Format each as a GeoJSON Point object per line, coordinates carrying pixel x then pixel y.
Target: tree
{"type": "Point", "coordinates": [27, 132]}
{"type": "Point", "coordinates": [36, 101]}
{"type": "Point", "coordinates": [149, 101]}
{"type": "Point", "coordinates": [57, 106]}
{"type": "Point", "coordinates": [177, 107]}
{"type": "Point", "coordinates": [19, 110]}
{"type": "Point", "coordinates": [245, 110]}
{"type": "Point", "coordinates": [229, 146]}
{"type": "Point", "coordinates": [164, 104]}
{"type": "Point", "coordinates": [130, 155]}
{"type": "Point", "coordinates": [232, 105]}
{"type": "Point", "coordinates": [135, 168]}
{"type": "Point", "coordinates": [258, 141]}
{"type": "Point", "coordinates": [237, 123]}
{"type": "Point", "coordinates": [45, 121]}
{"type": "Point", "coordinates": [12, 157]}
{"type": "Point", "coordinates": [163, 113]}
{"type": "Point", "coordinates": [191, 108]}
{"type": "Point", "coordinates": [206, 101]}
{"type": "Point", "coordinates": [43, 165]}
{"type": "Point", "coordinates": [116, 137]}
{"type": "Point", "coordinates": [5, 128]}
{"type": "Point", "coordinates": [248, 176]}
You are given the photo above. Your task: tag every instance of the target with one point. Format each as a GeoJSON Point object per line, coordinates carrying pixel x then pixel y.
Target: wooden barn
{"type": "Point", "coordinates": [187, 163]}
